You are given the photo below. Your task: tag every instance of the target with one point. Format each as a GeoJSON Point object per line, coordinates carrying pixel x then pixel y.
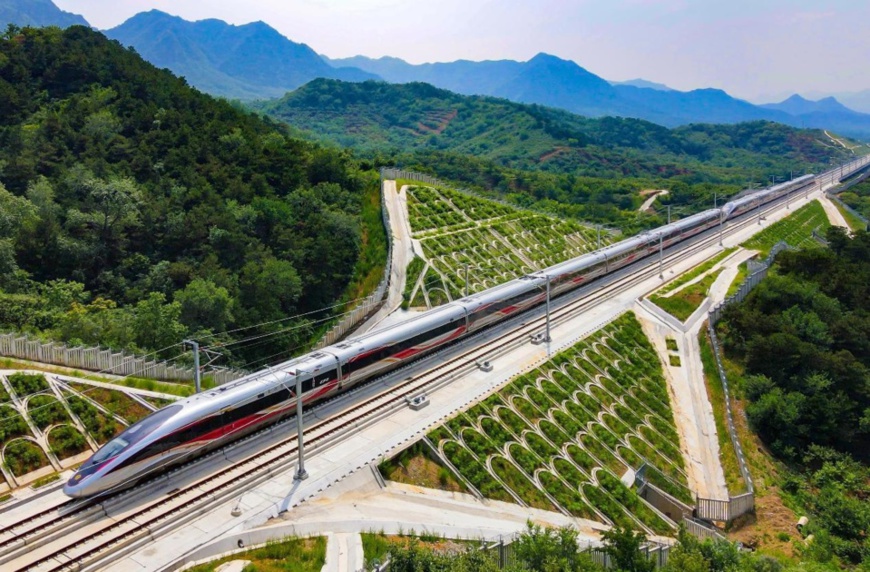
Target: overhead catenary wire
{"type": "Point", "coordinates": [278, 321]}
{"type": "Point", "coordinates": [26, 397]}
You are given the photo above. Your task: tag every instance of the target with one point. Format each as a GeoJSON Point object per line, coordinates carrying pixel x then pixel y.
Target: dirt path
{"type": "Point", "coordinates": [693, 413]}
{"type": "Point", "coordinates": [647, 204]}
{"type": "Point", "coordinates": [834, 214]}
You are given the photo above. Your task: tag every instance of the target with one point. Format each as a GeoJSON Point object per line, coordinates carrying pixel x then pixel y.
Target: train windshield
{"type": "Point", "coordinates": [133, 435]}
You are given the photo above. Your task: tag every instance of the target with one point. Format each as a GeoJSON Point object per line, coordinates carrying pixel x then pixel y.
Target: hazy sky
{"type": "Point", "coordinates": [751, 48]}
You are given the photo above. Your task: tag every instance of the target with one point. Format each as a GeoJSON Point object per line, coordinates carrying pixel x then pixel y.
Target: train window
{"type": "Point", "coordinates": [134, 434]}
{"type": "Point", "coordinates": [400, 346]}
{"type": "Point", "coordinates": [109, 450]}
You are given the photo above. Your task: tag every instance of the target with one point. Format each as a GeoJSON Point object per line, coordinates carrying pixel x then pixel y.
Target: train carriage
{"type": "Point", "coordinates": [209, 419]}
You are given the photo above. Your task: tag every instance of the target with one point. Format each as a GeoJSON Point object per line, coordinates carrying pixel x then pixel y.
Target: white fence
{"type": "Point", "coordinates": [103, 360]}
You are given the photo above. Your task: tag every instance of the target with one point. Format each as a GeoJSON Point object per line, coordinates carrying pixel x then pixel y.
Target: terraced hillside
{"type": "Point", "coordinates": [569, 434]}
{"type": "Point", "coordinates": [494, 241]}
{"type": "Point", "coordinates": [50, 423]}
{"type": "Point", "coordinates": [796, 230]}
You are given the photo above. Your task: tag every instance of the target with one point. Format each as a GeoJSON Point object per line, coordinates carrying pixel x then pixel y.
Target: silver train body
{"type": "Point", "coordinates": [210, 419]}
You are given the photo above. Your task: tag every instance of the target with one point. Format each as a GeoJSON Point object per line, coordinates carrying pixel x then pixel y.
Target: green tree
{"type": "Point", "coordinates": [157, 324]}
{"type": "Point", "coordinates": [549, 550]}
{"type": "Point", "coordinates": [624, 546]}
{"type": "Point", "coordinates": [205, 306]}
{"type": "Point", "coordinates": [270, 288]}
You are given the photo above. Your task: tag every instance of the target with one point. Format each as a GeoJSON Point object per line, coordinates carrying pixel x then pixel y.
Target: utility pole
{"type": "Point", "coordinates": [599, 237]}
{"type": "Point", "coordinates": [547, 334]}
{"type": "Point", "coordinates": [715, 201]}
{"type": "Point", "coordinates": [661, 256]}
{"type": "Point", "coordinates": [301, 473]}
{"type": "Point", "coordinates": [721, 223]}
{"type": "Point", "coordinates": [197, 374]}
{"type": "Point", "coordinates": [758, 208]}
{"type": "Point", "coordinates": [669, 214]}
{"type": "Point", "coordinates": [466, 280]}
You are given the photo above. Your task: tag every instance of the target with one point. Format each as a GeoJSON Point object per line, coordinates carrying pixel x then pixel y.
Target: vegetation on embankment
{"type": "Point", "coordinates": [466, 236]}
{"type": "Point", "coordinates": [803, 337]}
{"type": "Point", "coordinates": [289, 555]}
{"type": "Point", "coordinates": [563, 434]}
{"type": "Point", "coordinates": [137, 211]}
{"type": "Point", "coordinates": [683, 303]}
{"type": "Point", "coordinates": [857, 197]}
{"type": "Point", "coordinates": [796, 230]}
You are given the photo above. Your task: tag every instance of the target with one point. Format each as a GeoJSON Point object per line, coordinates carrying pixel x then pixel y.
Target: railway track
{"type": "Point", "coordinates": [129, 519]}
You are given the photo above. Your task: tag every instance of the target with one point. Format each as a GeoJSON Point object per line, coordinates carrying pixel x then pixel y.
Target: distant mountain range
{"type": "Point", "coordinates": [857, 100]}
{"type": "Point", "coordinates": [255, 61]}
{"type": "Point", "coordinates": [37, 13]}
{"type": "Point", "coordinates": [552, 81]}
{"type": "Point", "coordinates": [247, 62]}
{"type": "Point", "coordinates": [643, 83]}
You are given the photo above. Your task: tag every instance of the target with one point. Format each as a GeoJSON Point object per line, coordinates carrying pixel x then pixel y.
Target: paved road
{"type": "Point", "coordinates": [834, 214]}
{"type": "Point", "coordinates": [403, 252]}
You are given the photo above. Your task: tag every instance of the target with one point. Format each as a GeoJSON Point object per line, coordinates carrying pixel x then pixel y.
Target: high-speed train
{"type": "Point", "coordinates": [197, 424]}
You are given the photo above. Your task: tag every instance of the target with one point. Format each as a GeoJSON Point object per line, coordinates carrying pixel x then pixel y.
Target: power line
{"type": "Point", "coordinates": [206, 336]}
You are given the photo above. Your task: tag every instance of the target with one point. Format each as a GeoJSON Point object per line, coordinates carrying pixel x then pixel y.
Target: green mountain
{"type": "Point", "coordinates": [135, 210]}
{"type": "Point", "coordinates": [376, 116]}
{"type": "Point", "coordinates": [37, 13]}
{"type": "Point", "coordinates": [243, 62]}
{"type": "Point", "coordinates": [548, 159]}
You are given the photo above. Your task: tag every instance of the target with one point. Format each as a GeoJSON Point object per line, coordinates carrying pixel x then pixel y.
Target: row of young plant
{"type": "Point", "coordinates": [32, 398]}
{"type": "Point", "coordinates": [796, 230]}
{"type": "Point", "coordinates": [560, 436]}
{"type": "Point", "coordinates": [492, 243]}
{"type": "Point", "coordinates": [431, 208]}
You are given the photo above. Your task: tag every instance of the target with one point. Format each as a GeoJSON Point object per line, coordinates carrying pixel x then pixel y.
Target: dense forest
{"type": "Point", "coordinates": [858, 197]}
{"type": "Point", "coordinates": [135, 210]}
{"type": "Point", "coordinates": [803, 336]}
{"type": "Point", "coordinates": [560, 162]}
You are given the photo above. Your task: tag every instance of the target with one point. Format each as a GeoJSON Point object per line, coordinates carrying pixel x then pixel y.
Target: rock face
{"type": "Point", "coordinates": [37, 13]}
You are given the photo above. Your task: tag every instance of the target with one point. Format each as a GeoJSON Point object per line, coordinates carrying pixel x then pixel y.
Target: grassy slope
{"type": "Point", "coordinates": [496, 240]}
{"type": "Point", "coordinates": [796, 229]}
{"type": "Point", "coordinates": [682, 304]}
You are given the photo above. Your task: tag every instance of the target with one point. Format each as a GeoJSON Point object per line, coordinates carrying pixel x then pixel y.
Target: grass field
{"type": "Point", "coordinates": [291, 555]}
{"type": "Point", "coordinates": [684, 302]}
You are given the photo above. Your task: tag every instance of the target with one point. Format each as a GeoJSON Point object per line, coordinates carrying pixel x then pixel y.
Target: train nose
{"type": "Point", "coordinates": [75, 486]}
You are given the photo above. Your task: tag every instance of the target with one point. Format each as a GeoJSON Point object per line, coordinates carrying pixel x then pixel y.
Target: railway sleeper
{"type": "Point", "coordinates": [28, 542]}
